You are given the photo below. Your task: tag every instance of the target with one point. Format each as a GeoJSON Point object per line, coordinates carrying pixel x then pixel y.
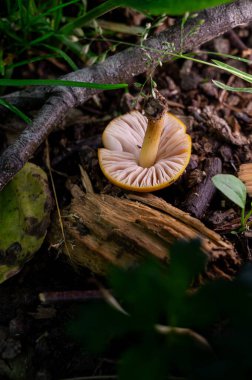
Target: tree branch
{"type": "Point", "coordinates": [122, 67]}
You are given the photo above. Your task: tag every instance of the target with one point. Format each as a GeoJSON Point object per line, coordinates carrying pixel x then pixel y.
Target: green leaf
{"type": "Point", "coordinates": [58, 82]}
{"type": "Point", "coordinates": [96, 334]}
{"type": "Point", "coordinates": [232, 70]}
{"type": "Point", "coordinates": [188, 261]}
{"type": "Point", "coordinates": [25, 205]}
{"type": "Point", "coordinates": [149, 279]}
{"type": "Point", "coordinates": [144, 361]}
{"type": "Point", "coordinates": [232, 187]}
{"type": "Point", "coordinates": [230, 88]}
{"type": "Point", "coordinates": [172, 7]}
{"type": "Point", "coordinates": [65, 56]}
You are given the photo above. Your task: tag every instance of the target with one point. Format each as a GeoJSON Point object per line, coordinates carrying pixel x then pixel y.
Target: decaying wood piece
{"type": "Point", "coordinates": [102, 229]}
{"type": "Point", "coordinates": [199, 198]}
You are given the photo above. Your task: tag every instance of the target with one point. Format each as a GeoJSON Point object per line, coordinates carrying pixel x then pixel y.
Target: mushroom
{"type": "Point", "coordinates": [245, 175]}
{"type": "Point", "coordinates": [145, 153]}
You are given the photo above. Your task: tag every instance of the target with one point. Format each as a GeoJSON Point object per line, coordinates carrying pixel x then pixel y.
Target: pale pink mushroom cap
{"type": "Point", "coordinates": [123, 139]}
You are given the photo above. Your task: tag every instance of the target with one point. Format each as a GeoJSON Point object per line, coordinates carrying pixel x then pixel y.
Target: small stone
{"type": "Point", "coordinates": [209, 89]}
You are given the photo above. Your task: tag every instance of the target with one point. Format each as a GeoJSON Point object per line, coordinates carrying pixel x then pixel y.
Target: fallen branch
{"type": "Point", "coordinates": [122, 67]}
{"type": "Point", "coordinates": [199, 199]}
{"type": "Point", "coordinates": [102, 229]}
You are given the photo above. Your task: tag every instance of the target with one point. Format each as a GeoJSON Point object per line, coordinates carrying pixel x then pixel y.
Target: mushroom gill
{"type": "Point", "coordinates": [123, 139]}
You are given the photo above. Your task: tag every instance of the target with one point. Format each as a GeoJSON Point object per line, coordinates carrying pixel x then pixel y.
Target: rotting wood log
{"type": "Point", "coordinates": [122, 67]}
{"type": "Point", "coordinates": [101, 229]}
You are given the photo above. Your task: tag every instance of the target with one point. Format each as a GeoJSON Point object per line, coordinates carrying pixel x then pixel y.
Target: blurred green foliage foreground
{"type": "Point", "coordinates": [164, 328]}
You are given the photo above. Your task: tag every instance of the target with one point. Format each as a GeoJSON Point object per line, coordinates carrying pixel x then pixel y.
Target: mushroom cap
{"type": "Point", "coordinates": [122, 140]}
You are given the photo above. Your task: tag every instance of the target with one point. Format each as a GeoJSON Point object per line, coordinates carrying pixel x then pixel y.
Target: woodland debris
{"type": "Point", "coordinates": [122, 67]}
{"type": "Point", "coordinates": [221, 128]}
{"type": "Point", "coordinates": [102, 230]}
{"type": "Point", "coordinates": [245, 175]}
{"type": "Point", "coordinates": [199, 198]}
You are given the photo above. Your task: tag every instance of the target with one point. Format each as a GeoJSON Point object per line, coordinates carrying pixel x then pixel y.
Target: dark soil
{"type": "Point", "coordinates": [34, 343]}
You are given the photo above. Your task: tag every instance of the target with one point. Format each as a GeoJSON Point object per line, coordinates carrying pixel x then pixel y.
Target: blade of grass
{"type": "Point", "coordinates": [229, 88]}
{"type": "Point", "coordinates": [232, 70]}
{"type": "Point", "coordinates": [75, 47]}
{"type": "Point", "coordinates": [41, 38]}
{"type": "Point", "coordinates": [96, 12]}
{"type": "Point", "coordinates": [32, 8]}
{"type": "Point", "coordinates": [15, 110]}
{"type": "Point", "coordinates": [21, 12]}
{"type": "Point", "coordinates": [53, 9]}
{"type": "Point", "coordinates": [5, 29]}
{"type": "Point", "coordinates": [63, 55]}
{"type": "Point", "coordinates": [120, 28]}
{"type": "Point", "coordinates": [249, 61]}
{"type": "Point", "coordinates": [57, 15]}
{"type": "Point", "coordinates": [58, 82]}
{"type": "Point", "coordinates": [31, 60]}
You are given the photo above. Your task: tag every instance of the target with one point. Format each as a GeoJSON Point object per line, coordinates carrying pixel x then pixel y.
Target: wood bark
{"type": "Point", "coordinates": [201, 195]}
{"type": "Point", "coordinates": [122, 67]}
{"type": "Point", "coordinates": [101, 229]}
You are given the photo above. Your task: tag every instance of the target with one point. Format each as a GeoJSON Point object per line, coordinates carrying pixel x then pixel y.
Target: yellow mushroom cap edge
{"type": "Point", "coordinates": [123, 138]}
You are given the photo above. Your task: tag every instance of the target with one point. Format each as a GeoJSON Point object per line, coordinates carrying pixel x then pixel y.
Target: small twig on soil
{"type": "Point", "coordinates": [221, 128]}
{"type": "Point", "coordinates": [223, 93]}
{"type": "Point", "coordinates": [122, 67]}
{"type": "Point", "coordinates": [201, 340]}
{"type": "Point", "coordinates": [48, 164]}
{"type": "Point", "coordinates": [236, 41]}
{"type": "Point", "coordinates": [69, 296]}
{"type": "Point", "coordinates": [200, 197]}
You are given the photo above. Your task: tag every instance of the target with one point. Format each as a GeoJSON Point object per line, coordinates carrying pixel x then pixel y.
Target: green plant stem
{"type": "Point", "coordinates": [96, 12]}
{"type": "Point", "coordinates": [243, 217]}
{"type": "Point", "coordinates": [247, 217]}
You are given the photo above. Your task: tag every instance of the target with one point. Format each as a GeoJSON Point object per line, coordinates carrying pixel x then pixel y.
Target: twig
{"type": "Point", "coordinates": [122, 67]}
{"type": "Point", "coordinates": [223, 93]}
{"type": "Point", "coordinates": [201, 340]}
{"type": "Point", "coordinates": [48, 164]}
{"type": "Point", "coordinates": [236, 41]}
{"type": "Point", "coordinates": [69, 296]}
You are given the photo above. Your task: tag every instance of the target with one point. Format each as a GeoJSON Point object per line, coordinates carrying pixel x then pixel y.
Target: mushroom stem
{"type": "Point", "coordinates": [151, 141]}
{"type": "Point", "coordinates": [155, 111]}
